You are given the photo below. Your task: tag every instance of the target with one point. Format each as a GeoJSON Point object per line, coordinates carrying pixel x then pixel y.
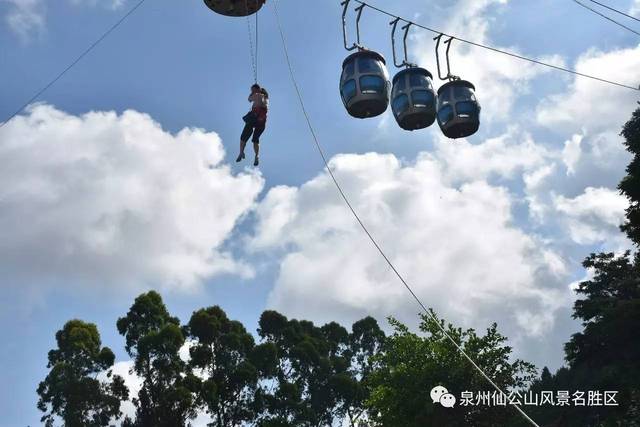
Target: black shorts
{"type": "Point", "coordinates": [249, 130]}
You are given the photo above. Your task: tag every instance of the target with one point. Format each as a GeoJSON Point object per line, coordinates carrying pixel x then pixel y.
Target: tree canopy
{"type": "Point", "coordinates": [71, 391]}
{"type": "Point", "coordinates": [410, 366]}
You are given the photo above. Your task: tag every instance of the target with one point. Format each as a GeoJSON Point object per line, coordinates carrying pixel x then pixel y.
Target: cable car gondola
{"type": "Point", "coordinates": [364, 84]}
{"type": "Point", "coordinates": [235, 7]}
{"type": "Point", "coordinates": [413, 99]}
{"type": "Point", "coordinates": [458, 107]}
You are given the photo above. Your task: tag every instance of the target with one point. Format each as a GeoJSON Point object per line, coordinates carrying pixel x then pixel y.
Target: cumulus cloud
{"type": "Point", "coordinates": [111, 4]}
{"type": "Point", "coordinates": [590, 114]}
{"type": "Point", "coordinates": [589, 105]}
{"type": "Point", "coordinates": [25, 17]}
{"type": "Point", "coordinates": [28, 17]}
{"type": "Point", "coordinates": [113, 200]}
{"type": "Point", "coordinates": [593, 216]}
{"type": "Point", "coordinates": [503, 156]}
{"type": "Point", "coordinates": [571, 153]}
{"type": "Point", "coordinates": [457, 246]}
{"type": "Point", "coordinates": [635, 8]}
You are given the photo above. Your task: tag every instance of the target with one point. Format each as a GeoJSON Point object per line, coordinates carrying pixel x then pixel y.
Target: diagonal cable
{"type": "Point", "coordinates": [606, 17]}
{"type": "Point", "coordinates": [615, 10]}
{"type": "Point", "coordinates": [78, 59]}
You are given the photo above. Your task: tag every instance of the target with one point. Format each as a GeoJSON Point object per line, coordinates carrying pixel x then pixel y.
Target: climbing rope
{"type": "Point", "coordinates": [253, 52]}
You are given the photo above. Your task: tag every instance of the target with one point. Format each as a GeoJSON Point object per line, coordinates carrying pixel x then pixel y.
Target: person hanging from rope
{"type": "Point", "coordinates": [255, 122]}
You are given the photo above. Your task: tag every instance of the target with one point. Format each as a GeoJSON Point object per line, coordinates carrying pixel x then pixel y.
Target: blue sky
{"type": "Point", "coordinates": [104, 194]}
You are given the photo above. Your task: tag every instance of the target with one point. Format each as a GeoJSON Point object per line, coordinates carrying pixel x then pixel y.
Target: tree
{"type": "Point", "coordinates": [71, 390]}
{"type": "Point", "coordinates": [302, 394]}
{"type": "Point", "coordinates": [605, 354]}
{"type": "Point", "coordinates": [317, 373]}
{"type": "Point", "coordinates": [153, 340]}
{"type": "Point", "coordinates": [352, 387]}
{"type": "Point", "coordinates": [411, 365]}
{"type": "Point", "coordinates": [221, 351]}
{"type": "Point", "coordinates": [630, 184]}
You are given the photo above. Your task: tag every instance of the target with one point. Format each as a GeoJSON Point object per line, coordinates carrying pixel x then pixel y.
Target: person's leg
{"type": "Point", "coordinates": [256, 149]}
{"type": "Point", "coordinates": [256, 144]}
{"type": "Point", "coordinates": [243, 144]}
{"type": "Point", "coordinates": [246, 133]}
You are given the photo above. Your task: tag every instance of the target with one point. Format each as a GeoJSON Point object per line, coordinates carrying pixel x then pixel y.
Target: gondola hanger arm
{"type": "Point", "coordinates": [359, 10]}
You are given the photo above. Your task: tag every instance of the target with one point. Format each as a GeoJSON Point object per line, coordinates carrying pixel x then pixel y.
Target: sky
{"type": "Point", "coordinates": [121, 178]}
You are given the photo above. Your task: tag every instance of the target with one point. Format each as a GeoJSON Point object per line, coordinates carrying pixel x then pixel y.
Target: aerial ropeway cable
{"type": "Point", "coordinates": [607, 17]}
{"type": "Point", "coordinates": [619, 12]}
{"type": "Point", "coordinates": [501, 51]}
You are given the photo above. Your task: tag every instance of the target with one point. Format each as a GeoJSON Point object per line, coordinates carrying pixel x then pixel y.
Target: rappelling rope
{"type": "Point", "coordinates": [428, 313]}
{"type": "Point", "coordinates": [257, 45]}
{"type": "Point", "coordinates": [252, 52]}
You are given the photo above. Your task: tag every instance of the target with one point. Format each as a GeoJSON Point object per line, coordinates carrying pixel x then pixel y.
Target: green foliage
{"type": "Point", "coordinates": [352, 387]}
{"type": "Point", "coordinates": [222, 351]}
{"type": "Point", "coordinates": [411, 365]}
{"type": "Point", "coordinates": [70, 391]}
{"type": "Point", "coordinates": [605, 355]}
{"type": "Point", "coordinates": [318, 373]}
{"type": "Point", "coordinates": [630, 184]}
{"type": "Point", "coordinates": [298, 375]}
{"type": "Point", "coordinates": [153, 339]}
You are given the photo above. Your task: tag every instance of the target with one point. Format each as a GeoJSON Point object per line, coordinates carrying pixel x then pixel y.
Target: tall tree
{"type": "Point", "coordinates": [71, 390]}
{"type": "Point", "coordinates": [299, 394]}
{"type": "Point", "coordinates": [221, 351]}
{"type": "Point", "coordinates": [153, 340]}
{"type": "Point", "coordinates": [318, 373]}
{"type": "Point", "coordinates": [630, 184]}
{"type": "Point", "coordinates": [352, 389]}
{"type": "Point", "coordinates": [411, 365]}
{"type": "Point", "coordinates": [605, 354]}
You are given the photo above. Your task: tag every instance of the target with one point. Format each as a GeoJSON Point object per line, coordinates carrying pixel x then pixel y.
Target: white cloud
{"type": "Point", "coordinates": [458, 248]}
{"type": "Point", "coordinates": [585, 161]}
{"type": "Point", "coordinates": [28, 17]}
{"type": "Point", "coordinates": [592, 106]}
{"type": "Point", "coordinates": [111, 4]}
{"type": "Point", "coordinates": [504, 156]}
{"type": "Point", "coordinates": [113, 200]}
{"type": "Point", "coordinates": [571, 153]}
{"type": "Point", "coordinates": [25, 17]}
{"type": "Point", "coordinates": [635, 9]}
{"type": "Point", "coordinates": [593, 216]}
